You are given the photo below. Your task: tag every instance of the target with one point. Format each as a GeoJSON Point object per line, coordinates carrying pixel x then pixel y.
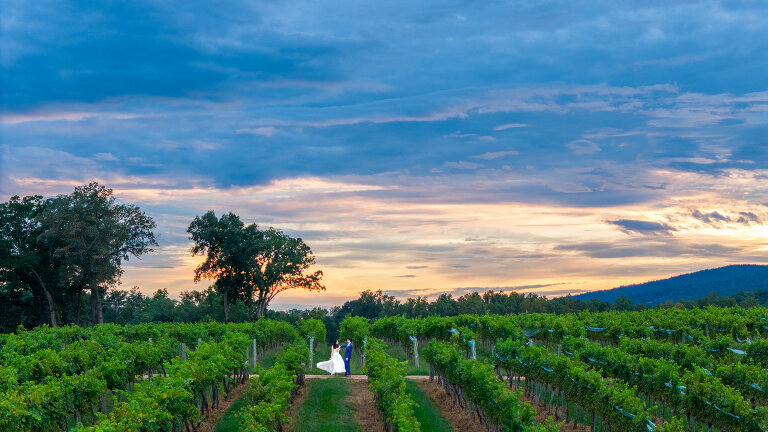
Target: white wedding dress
{"type": "Point", "coordinates": [334, 365]}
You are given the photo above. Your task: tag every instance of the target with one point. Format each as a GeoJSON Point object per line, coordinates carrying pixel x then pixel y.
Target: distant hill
{"type": "Point", "coordinates": [726, 281]}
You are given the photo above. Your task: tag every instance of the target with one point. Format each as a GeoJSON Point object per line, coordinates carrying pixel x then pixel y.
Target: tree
{"type": "Point", "coordinates": [124, 307]}
{"type": "Point", "coordinates": [26, 262]}
{"type": "Point", "coordinates": [92, 235]}
{"type": "Point", "coordinates": [280, 265]}
{"type": "Point", "coordinates": [415, 308]}
{"type": "Point", "coordinates": [444, 306]}
{"type": "Point", "coordinates": [371, 305]}
{"type": "Point", "coordinates": [228, 255]}
{"type": "Point", "coordinates": [471, 304]}
{"type": "Point", "coordinates": [249, 263]}
{"type": "Point", "coordinates": [622, 303]}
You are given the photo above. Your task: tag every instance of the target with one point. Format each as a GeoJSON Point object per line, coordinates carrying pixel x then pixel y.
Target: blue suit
{"type": "Point", "coordinates": [347, 356]}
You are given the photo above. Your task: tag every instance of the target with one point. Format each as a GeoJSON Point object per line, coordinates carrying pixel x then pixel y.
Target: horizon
{"type": "Point", "coordinates": [417, 150]}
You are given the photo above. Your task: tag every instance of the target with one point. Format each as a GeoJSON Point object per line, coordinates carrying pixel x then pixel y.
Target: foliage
{"type": "Point", "coordinates": [386, 377]}
{"type": "Point", "coordinates": [249, 263]}
{"type": "Point", "coordinates": [93, 235]}
{"type": "Point", "coordinates": [357, 329]}
{"type": "Point", "coordinates": [271, 392]}
{"type": "Point", "coordinates": [50, 375]}
{"type": "Point", "coordinates": [28, 266]}
{"type": "Point", "coordinates": [477, 383]}
{"type": "Point", "coordinates": [312, 328]}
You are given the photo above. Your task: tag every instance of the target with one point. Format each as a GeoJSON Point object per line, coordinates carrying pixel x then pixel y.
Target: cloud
{"type": "Point", "coordinates": [642, 226]}
{"type": "Point", "coordinates": [747, 217]}
{"type": "Point", "coordinates": [105, 157]}
{"type": "Point", "coordinates": [497, 154]}
{"type": "Point", "coordinates": [604, 250]}
{"type": "Point", "coordinates": [194, 144]}
{"type": "Point", "coordinates": [472, 136]}
{"type": "Point", "coordinates": [510, 126]}
{"type": "Point", "coordinates": [266, 131]}
{"type": "Point", "coordinates": [416, 267]}
{"type": "Point", "coordinates": [711, 217]}
{"type": "Point", "coordinates": [569, 188]}
{"type": "Point", "coordinates": [434, 292]}
{"type": "Point", "coordinates": [462, 165]}
{"type": "Point", "coordinates": [406, 276]}
{"type": "Point", "coordinates": [583, 147]}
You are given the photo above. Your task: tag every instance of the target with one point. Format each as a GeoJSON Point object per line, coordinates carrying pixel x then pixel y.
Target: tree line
{"type": "Point", "coordinates": [133, 307]}
{"type": "Point", "coordinates": [63, 255]}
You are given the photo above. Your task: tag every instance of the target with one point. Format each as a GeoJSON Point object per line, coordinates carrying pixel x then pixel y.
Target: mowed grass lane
{"type": "Point", "coordinates": [325, 408]}
{"type": "Point", "coordinates": [229, 422]}
{"type": "Point", "coordinates": [426, 411]}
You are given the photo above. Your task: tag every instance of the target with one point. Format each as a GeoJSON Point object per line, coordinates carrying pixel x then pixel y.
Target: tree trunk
{"type": "Point", "coordinates": [79, 307]}
{"type": "Point", "coordinates": [51, 307]}
{"type": "Point", "coordinates": [226, 306]}
{"type": "Point", "coordinates": [261, 308]}
{"type": "Point", "coordinates": [96, 313]}
{"type": "Point", "coordinates": [48, 299]}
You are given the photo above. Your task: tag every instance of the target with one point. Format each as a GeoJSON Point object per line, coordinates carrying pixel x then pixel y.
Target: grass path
{"type": "Point", "coordinates": [330, 404]}
{"type": "Point", "coordinates": [326, 408]}
{"type": "Point", "coordinates": [228, 422]}
{"type": "Point", "coordinates": [224, 416]}
{"type": "Point", "coordinates": [444, 403]}
{"type": "Point", "coordinates": [426, 410]}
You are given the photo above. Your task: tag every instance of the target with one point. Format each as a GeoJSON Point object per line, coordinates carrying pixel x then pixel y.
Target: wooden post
{"type": "Point", "coordinates": [255, 356]}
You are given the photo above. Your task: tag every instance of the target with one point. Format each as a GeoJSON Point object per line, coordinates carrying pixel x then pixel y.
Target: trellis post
{"type": "Point", "coordinates": [415, 350]}
{"type": "Point", "coordinates": [311, 351]}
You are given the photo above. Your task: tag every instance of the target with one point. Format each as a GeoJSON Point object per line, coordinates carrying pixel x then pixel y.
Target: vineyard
{"type": "Point", "coordinates": [654, 370]}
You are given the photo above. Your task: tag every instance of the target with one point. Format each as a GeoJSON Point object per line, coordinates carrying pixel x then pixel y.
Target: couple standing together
{"type": "Point", "coordinates": [335, 364]}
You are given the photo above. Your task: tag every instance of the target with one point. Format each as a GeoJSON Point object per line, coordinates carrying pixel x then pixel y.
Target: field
{"type": "Point", "coordinates": [655, 370]}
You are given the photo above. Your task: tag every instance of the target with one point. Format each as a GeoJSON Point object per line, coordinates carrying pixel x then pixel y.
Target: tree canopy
{"type": "Point", "coordinates": [53, 250]}
{"type": "Point", "coordinates": [30, 273]}
{"type": "Point", "coordinates": [249, 263]}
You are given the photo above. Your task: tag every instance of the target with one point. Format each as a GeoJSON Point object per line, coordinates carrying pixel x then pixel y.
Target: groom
{"type": "Point", "coordinates": [347, 356]}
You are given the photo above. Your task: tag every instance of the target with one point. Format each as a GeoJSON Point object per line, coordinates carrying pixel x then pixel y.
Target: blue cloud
{"type": "Point", "coordinates": [642, 226]}
{"type": "Point", "coordinates": [598, 96]}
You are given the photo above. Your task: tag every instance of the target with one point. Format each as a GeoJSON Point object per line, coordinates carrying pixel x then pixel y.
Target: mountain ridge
{"type": "Point", "coordinates": [727, 280]}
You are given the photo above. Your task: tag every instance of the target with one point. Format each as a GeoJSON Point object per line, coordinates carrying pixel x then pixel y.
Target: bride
{"type": "Point", "coordinates": [335, 364]}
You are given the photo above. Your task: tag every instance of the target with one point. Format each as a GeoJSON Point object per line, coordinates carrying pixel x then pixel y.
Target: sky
{"type": "Point", "coordinates": [418, 148]}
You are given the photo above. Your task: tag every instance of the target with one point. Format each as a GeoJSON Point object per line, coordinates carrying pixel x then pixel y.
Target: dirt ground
{"type": "Point", "coordinates": [542, 414]}
{"type": "Point", "coordinates": [209, 425]}
{"type": "Point", "coordinates": [297, 401]}
{"type": "Point", "coordinates": [366, 414]}
{"type": "Point", "coordinates": [455, 416]}
{"type": "Point", "coordinates": [461, 422]}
